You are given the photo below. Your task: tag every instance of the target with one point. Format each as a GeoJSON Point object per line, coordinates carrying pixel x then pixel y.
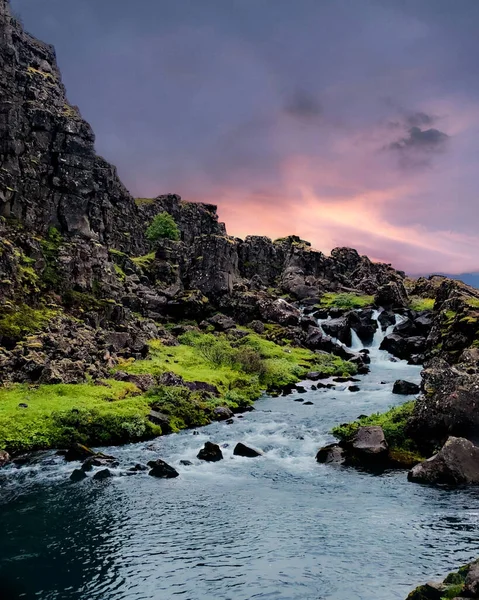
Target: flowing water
{"type": "Point", "coordinates": [279, 527]}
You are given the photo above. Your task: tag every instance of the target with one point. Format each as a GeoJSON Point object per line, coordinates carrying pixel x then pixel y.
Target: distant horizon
{"type": "Point", "coordinates": [346, 124]}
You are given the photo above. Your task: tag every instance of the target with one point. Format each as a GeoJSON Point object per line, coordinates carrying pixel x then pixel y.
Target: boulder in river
{"type": "Point", "coordinates": [77, 475]}
{"type": "Point", "coordinates": [98, 461]}
{"type": "Point", "coordinates": [369, 441]}
{"type": "Point", "coordinates": [456, 463]}
{"type": "Point", "coordinates": [210, 452]}
{"type": "Point", "coordinates": [102, 474]}
{"type": "Point", "coordinates": [222, 413]}
{"type": "Point", "coordinates": [78, 452]}
{"type": "Point", "coordinates": [243, 450]}
{"type": "Point", "coordinates": [4, 458]}
{"type": "Point", "coordinates": [405, 387]}
{"type": "Point", "coordinates": [332, 453]}
{"type": "Point", "coordinates": [159, 468]}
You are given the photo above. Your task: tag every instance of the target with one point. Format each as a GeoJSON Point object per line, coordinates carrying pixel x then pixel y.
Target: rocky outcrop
{"type": "Point", "coordinates": [456, 463]}
{"type": "Point", "coordinates": [449, 404]}
{"type": "Point", "coordinates": [50, 174]}
{"type": "Point", "coordinates": [161, 469]}
{"type": "Point", "coordinates": [242, 450]}
{"type": "Point", "coordinates": [460, 584]}
{"type": "Point", "coordinates": [405, 387]}
{"type": "Point", "coordinates": [210, 452]}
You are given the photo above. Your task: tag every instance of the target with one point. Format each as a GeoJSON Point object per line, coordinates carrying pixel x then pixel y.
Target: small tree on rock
{"type": "Point", "coordinates": [163, 227]}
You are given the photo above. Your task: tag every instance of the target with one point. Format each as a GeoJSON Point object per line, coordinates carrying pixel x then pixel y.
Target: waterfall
{"type": "Point", "coordinates": [356, 343]}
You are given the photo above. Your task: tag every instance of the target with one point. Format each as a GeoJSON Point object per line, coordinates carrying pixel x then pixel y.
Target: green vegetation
{"type": "Point", "coordinates": [50, 247]}
{"type": "Point", "coordinates": [144, 201]}
{"type": "Point", "coordinates": [472, 302]}
{"type": "Point", "coordinates": [119, 272]}
{"type": "Point", "coordinates": [163, 227]}
{"type": "Point", "coordinates": [393, 423]}
{"type": "Point", "coordinates": [58, 415]}
{"type": "Point", "coordinates": [419, 304]}
{"type": "Point", "coordinates": [240, 369]}
{"type": "Point", "coordinates": [346, 301]}
{"type": "Point", "coordinates": [18, 321]}
{"type": "Point", "coordinates": [116, 412]}
{"type": "Point", "coordinates": [85, 302]}
{"type": "Point", "coordinates": [144, 262]}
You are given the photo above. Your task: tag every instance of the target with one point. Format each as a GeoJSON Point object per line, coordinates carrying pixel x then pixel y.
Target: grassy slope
{"type": "Point", "coordinates": [58, 415]}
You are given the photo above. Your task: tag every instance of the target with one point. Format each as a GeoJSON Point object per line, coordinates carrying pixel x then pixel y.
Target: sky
{"type": "Point", "coordinates": [346, 122]}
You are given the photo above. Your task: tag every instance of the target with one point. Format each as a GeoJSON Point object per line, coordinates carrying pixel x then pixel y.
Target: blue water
{"type": "Point", "coordinates": [279, 527]}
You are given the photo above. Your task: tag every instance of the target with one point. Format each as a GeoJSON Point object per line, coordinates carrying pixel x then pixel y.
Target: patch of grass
{"type": "Point", "coordinates": [21, 320]}
{"type": "Point", "coordinates": [144, 201]}
{"type": "Point", "coordinates": [419, 304]}
{"type": "Point", "coordinates": [119, 272]}
{"type": "Point", "coordinates": [346, 301]}
{"type": "Point", "coordinates": [453, 591]}
{"type": "Point", "coordinates": [472, 302]}
{"type": "Point", "coordinates": [145, 261]}
{"type": "Point", "coordinates": [393, 423]}
{"type": "Point", "coordinates": [58, 415]}
{"type": "Point", "coordinates": [239, 369]}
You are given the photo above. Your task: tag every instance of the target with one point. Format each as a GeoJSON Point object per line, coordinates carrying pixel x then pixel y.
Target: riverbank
{"type": "Point", "coordinates": [177, 387]}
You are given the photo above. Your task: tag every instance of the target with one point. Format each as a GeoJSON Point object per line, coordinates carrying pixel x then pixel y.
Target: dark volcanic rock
{"type": "Point", "coordinates": [449, 404]}
{"type": "Point", "coordinates": [392, 294]}
{"type": "Point", "coordinates": [405, 387]}
{"type": "Point", "coordinates": [211, 452]}
{"type": "Point", "coordinates": [77, 475]}
{"type": "Point", "coordinates": [370, 441]}
{"type": "Point", "coordinates": [333, 453]}
{"type": "Point", "coordinates": [4, 458]}
{"type": "Point", "coordinates": [159, 468]}
{"type": "Point", "coordinates": [222, 413]}
{"type": "Point", "coordinates": [402, 347]}
{"type": "Point", "coordinates": [159, 418]}
{"type": "Point", "coordinates": [339, 329]}
{"type": "Point", "coordinates": [242, 450]}
{"type": "Point", "coordinates": [78, 452]}
{"type": "Point", "coordinates": [456, 463]}
{"type": "Point", "coordinates": [102, 475]}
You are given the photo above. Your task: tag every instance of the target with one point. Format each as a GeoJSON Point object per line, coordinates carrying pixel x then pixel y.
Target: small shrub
{"type": "Point", "coordinates": [163, 227]}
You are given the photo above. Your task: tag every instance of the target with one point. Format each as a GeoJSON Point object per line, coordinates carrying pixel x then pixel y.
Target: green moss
{"type": "Point", "coordinates": [84, 302]}
{"type": "Point", "coordinates": [243, 368]}
{"type": "Point", "coordinates": [21, 320]}
{"type": "Point", "coordinates": [119, 271]}
{"type": "Point", "coordinates": [50, 247]}
{"type": "Point", "coordinates": [144, 201]}
{"type": "Point", "coordinates": [58, 415]}
{"type": "Point", "coordinates": [472, 302]}
{"type": "Point", "coordinates": [346, 301]}
{"type": "Point", "coordinates": [420, 304]}
{"type": "Point", "coordinates": [393, 423]}
{"type": "Point", "coordinates": [144, 262]}
{"type": "Point", "coordinates": [453, 591]}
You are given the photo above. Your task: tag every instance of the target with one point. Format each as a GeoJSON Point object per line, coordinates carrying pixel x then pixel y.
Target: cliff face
{"type": "Point", "coordinates": [49, 173]}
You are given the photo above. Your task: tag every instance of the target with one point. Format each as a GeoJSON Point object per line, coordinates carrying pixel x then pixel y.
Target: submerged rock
{"type": "Point", "coordinates": [405, 388]}
{"type": "Point", "coordinates": [103, 474]}
{"type": "Point", "coordinates": [159, 468]}
{"type": "Point", "coordinates": [456, 463]}
{"type": "Point", "coordinates": [243, 450]}
{"type": "Point", "coordinates": [98, 460]}
{"type": "Point", "coordinates": [77, 475]}
{"type": "Point", "coordinates": [78, 452]}
{"type": "Point", "coordinates": [210, 452]}
{"type": "Point", "coordinates": [186, 463]}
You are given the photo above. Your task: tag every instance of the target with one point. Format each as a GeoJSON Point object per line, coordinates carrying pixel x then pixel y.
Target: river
{"type": "Point", "coordinates": [278, 527]}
